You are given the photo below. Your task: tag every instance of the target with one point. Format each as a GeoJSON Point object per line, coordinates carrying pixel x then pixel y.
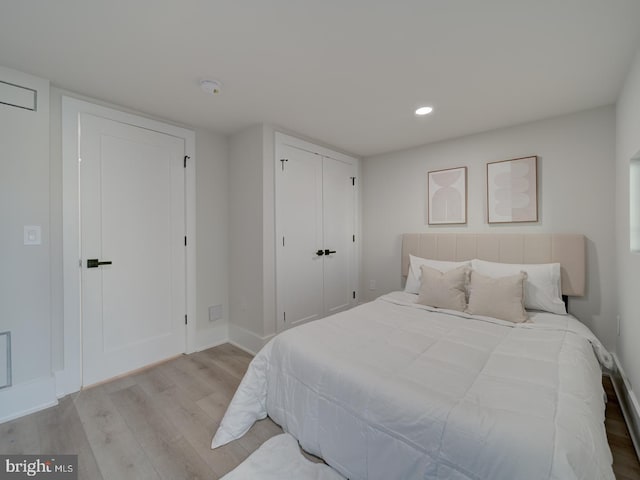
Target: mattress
{"type": "Point", "coordinates": [392, 389]}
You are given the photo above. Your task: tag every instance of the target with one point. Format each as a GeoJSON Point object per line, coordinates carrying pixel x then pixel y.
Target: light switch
{"type": "Point", "coordinates": [32, 235]}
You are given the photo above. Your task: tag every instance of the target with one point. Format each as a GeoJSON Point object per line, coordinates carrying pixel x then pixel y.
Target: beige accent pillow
{"type": "Point", "coordinates": [413, 277]}
{"type": "Point", "coordinates": [501, 298]}
{"type": "Point", "coordinates": [443, 289]}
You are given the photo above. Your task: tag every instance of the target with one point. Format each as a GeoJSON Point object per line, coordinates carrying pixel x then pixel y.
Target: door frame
{"type": "Point", "coordinates": [69, 379]}
{"type": "Point", "coordinates": [282, 139]}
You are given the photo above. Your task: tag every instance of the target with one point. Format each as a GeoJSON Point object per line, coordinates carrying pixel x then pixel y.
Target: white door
{"type": "Point", "coordinates": [132, 201]}
{"type": "Point", "coordinates": [315, 228]}
{"type": "Point", "coordinates": [338, 215]}
{"type": "Point", "coordinates": [299, 210]}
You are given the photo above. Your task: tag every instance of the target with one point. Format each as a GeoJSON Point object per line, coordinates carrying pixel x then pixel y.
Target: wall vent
{"type": "Point", "coordinates": [215, 313]}
{"type": "Point", "coordinates": [17, 96]}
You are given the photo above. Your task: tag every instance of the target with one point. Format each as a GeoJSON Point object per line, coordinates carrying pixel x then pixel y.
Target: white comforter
{"type": "Point", "coordinates": [393, 390]}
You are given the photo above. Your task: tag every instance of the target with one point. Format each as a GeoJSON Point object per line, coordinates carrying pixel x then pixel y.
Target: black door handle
{"type": "Point", "coordinates": [319, 253]}
{"type": "Point", "coordinates": [95, 263]}
{"type": "Point", "coordinates": [329, 252]}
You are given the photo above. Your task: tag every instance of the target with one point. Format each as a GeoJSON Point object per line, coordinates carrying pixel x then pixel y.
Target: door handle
{"type": "Point", "coordinates": [95, 263]}
{"type": "Point", "coordinates": [319, 253]}
{"type": "Point", "coordinates": [329, 252]}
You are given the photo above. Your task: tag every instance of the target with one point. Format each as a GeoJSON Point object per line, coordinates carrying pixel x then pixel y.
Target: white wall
{"type": "Point", "coordinates": [245, 237]}
{"type": "Point", "coordinates": [628, 264]}
{"type": "Point", "coordinates": [212, 247]}
{"type": "Point", "coordinates": [576, 194]}
{"type": "Point", "coordinates": [252, 230]}
{"type": "Point", "coordinates": [25, 285]}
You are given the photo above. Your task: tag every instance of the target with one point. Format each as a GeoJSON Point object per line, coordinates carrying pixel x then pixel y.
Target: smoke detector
{"type": "Point", "coordinates": [212, 87]}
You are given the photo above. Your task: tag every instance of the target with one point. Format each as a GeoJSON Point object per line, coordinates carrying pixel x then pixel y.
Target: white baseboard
{"type": "Point", "coordinates": [212, 337]}
{"type": "Point", "coordinates": [628, 403]}
{"type": "Point", "coordinates": [26, 398]}
{"type": "Point", "coordinates": [246, 340]}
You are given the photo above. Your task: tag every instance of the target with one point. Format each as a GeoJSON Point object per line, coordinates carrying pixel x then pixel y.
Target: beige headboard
{"type": "Point", "coordinates": [564, 248]}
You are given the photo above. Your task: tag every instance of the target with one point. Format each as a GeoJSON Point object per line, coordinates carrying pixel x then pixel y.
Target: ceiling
{"type": "Point", "coordinates": [347, 73]}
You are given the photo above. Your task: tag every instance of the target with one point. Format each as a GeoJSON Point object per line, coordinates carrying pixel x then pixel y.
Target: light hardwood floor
{"type": "Point", "coordinates": [625, 460]}
{"type": "Point", "coordinates": [155, 424]}
{"type": "Point", "coordinates": [158, 424]}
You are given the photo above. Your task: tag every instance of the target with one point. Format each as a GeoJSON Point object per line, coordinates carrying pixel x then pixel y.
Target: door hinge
{"type": "Point", "coordinates": [353, 181]}
{"type": "Point", "coordinates": [354, 294]}
{"type": "Point", "coordinates": [185, 319]}
{"type": "Point", "coordinates": [284, 316]}
{"type": "Point", "coordinates": [186, 157]}
{"type": "Point", "coordinates": [185, 240]}
{"type": "Point", "coordinates": [283, 241]}
{"type": "Point", "coordinates": [282, 160]}
{"type": "Point", "coordinates": [354, 238]}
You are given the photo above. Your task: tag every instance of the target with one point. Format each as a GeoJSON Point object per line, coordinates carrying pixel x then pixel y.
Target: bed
{"type": "Point", "coordinates": [397, 389]}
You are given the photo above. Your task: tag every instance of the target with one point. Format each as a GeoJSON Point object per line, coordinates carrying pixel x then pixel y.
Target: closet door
{"type": "Point", "coordinates": [338, 223]}
{"type": "Point", "coordinates": [299, 218]}
{"type": "Point", "coordinates": [315, 227]}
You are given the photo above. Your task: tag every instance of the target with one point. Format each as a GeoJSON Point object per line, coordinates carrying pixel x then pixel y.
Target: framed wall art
{"type": "Point", "coordinates": [512, 190]}
{"type": "Point", "coordinates": [447, 196]}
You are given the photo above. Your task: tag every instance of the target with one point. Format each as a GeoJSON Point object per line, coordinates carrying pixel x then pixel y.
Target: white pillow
{"type": "Point", "coordinates": [542, 289]}
{"type": "Point", "coordinates": [414, 275]}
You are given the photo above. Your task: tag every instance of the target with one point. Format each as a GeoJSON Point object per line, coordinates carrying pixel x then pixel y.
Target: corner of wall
{"type": "Point", "coordinates": [212, 336]}
{"type": "Point", "coordinates": [246, 340]}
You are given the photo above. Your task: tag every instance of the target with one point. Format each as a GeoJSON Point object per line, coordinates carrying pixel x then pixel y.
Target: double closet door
{"type": "Point", "coordinates": [316, 268]}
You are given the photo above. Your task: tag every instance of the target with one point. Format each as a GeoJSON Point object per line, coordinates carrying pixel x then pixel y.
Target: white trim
{"type": "Point", "coordinates": [283, 139]}
{"type": "Point", "coordinates": [212, 337]}
{"type": "Point", "coordinates": [70, 378]}
{"type": "Point", "coordinates": [628, 403]}
{"type": "Point", "coordinates": [245, 340]}
{"type": "Point", "coordinates": [62, 387]}
{"type": "Point", "coordinates": [190, 206]}
{"type": "Point", "coordinates": [27, 397]}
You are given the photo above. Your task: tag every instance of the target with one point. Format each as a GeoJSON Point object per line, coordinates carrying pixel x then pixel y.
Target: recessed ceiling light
{"type": "Point", "coordinates": [424, 111]}
{"type": "Point", "coordinates": [212, 87]}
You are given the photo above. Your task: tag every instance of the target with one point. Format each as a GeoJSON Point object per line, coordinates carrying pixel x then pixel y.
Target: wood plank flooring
{"type": "Point", "coordinates": [158, 424]}
{"type": "Point", "coordinates": [625, 461]}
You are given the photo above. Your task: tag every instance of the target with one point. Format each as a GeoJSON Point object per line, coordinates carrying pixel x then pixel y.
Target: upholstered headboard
{"type": "Point", "coordinates": [567, 249]}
